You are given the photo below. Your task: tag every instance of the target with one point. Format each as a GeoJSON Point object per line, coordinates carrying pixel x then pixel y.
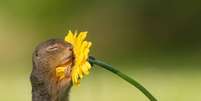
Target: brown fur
{"type": "Point", "coordinates": [46, 57]}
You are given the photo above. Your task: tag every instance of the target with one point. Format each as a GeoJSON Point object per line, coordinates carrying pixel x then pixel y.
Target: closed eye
{"type": "Point", "coordinates": [52, 47]}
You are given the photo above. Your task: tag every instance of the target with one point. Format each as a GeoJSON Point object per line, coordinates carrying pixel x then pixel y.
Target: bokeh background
{"type": "Point", "coordinates": [157, 42]}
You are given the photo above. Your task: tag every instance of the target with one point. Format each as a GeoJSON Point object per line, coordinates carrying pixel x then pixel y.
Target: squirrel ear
{"type": "Point", "coordinates": [36, 54]}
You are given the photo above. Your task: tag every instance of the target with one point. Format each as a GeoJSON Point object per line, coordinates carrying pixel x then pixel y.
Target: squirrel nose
{"type": "Point", "coordinates": [70, 49]}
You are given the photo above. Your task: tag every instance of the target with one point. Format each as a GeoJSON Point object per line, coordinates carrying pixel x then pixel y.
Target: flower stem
{"type": "Point", "coordinates": [93, 61]}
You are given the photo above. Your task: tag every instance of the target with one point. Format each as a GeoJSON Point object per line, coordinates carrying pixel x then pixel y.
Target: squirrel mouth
{"type": "Point", "coordinates": [66, 62]}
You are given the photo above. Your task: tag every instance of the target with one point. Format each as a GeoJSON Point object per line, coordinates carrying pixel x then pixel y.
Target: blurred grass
{"type": "Point", "coordinates": [166, 85]}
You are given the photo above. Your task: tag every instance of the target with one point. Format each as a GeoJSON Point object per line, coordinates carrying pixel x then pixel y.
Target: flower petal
{"type": "Point", "coordinates": [81, 50]}
{"type": "Point", "coordinates": [60, 72]}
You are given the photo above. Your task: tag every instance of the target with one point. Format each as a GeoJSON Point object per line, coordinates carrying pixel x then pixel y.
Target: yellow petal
{"type": "Point", "coordinates": [60, 72]}
{"type": "Point", "coordinates": [82, 36]}
{"type": "Point", "coordinates": [81, 50]}
{"type": "Point", "coordinates": [69, 38]}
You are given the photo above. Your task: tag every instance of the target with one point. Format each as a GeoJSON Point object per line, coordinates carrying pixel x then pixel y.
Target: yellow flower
{"type": "Point", "coordinates": [81, 50]}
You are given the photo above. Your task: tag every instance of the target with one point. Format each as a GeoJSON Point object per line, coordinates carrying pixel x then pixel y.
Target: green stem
{"type": "Point", "coordinates": [123, 76]}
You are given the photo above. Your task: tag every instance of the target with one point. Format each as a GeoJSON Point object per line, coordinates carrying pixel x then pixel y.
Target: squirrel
{"type": "Point", "coordinates": [46, 57]}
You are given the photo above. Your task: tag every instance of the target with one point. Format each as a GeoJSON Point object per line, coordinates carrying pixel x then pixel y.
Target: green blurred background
{"type": "Point", "coordinates": [157, 42]}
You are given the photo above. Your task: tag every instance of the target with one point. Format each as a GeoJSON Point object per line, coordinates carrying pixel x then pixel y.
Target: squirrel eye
{"type": "Point", "coordinates": [52, 47]}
